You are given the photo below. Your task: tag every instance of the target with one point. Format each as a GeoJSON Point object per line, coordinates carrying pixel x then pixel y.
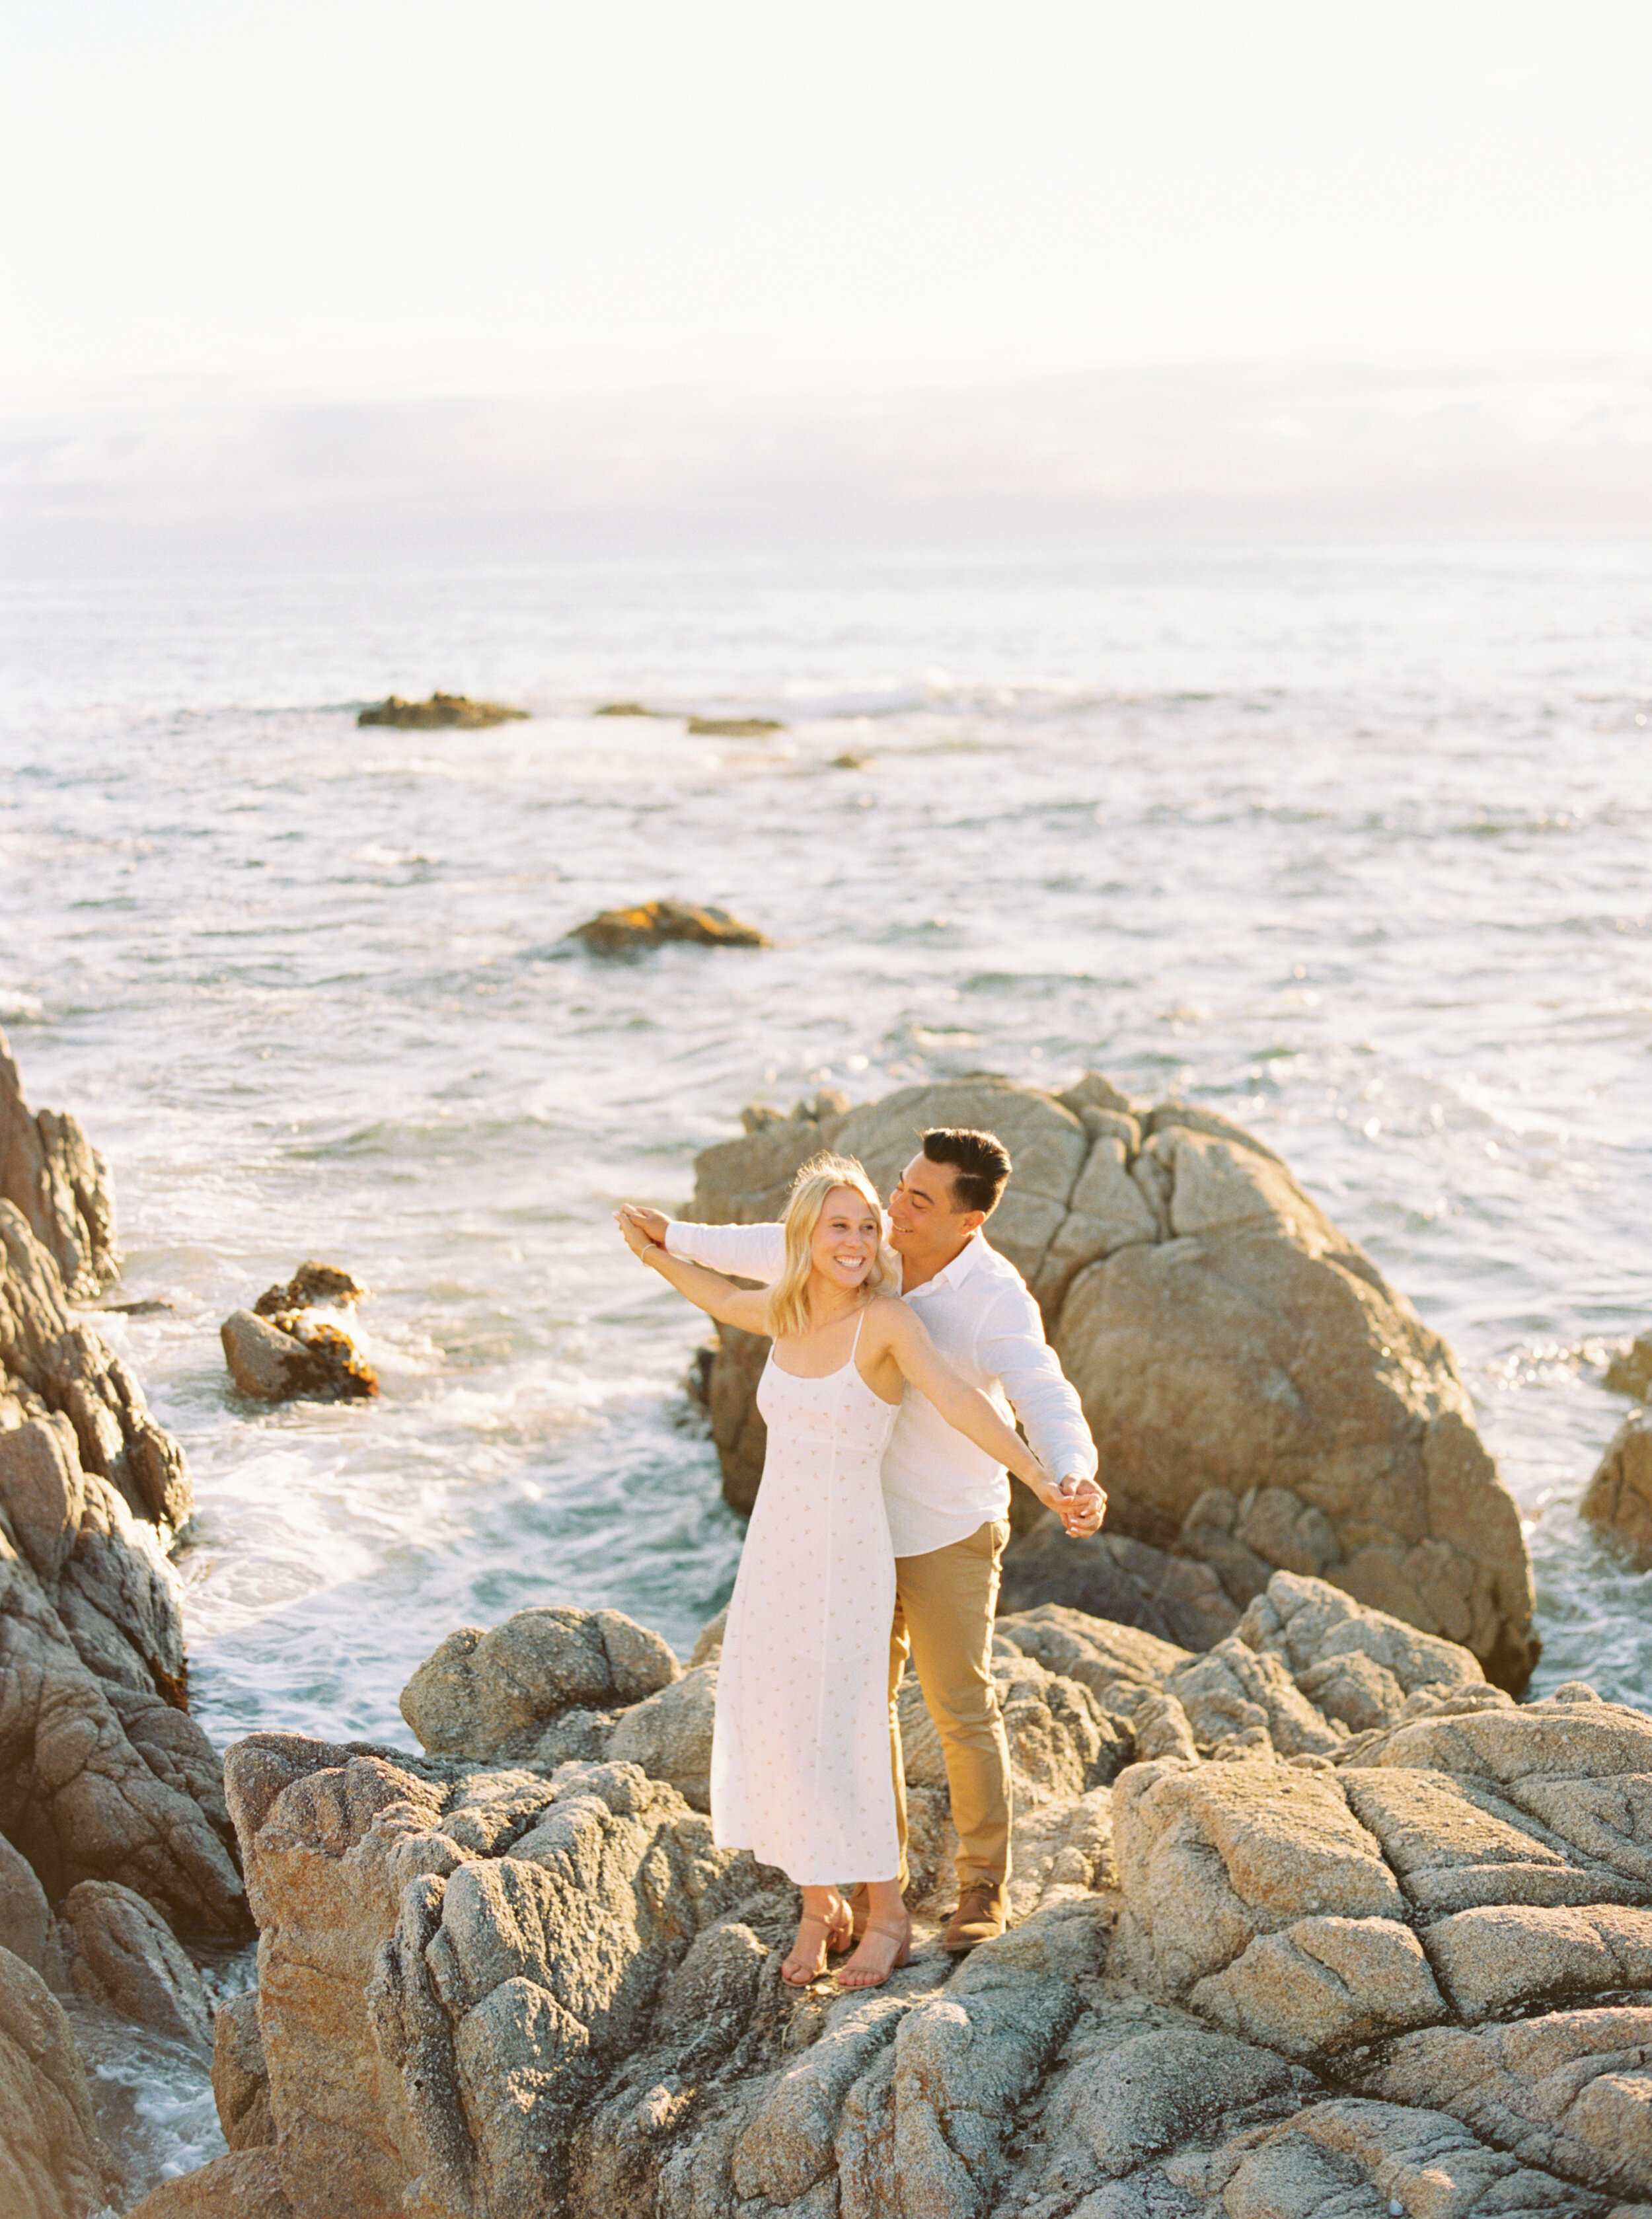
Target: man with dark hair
{"type": "Point", "coordinates": [948, 1503]}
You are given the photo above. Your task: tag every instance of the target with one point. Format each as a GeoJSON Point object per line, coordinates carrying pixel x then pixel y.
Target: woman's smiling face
{"type": "Point", "coordinates": [844, 1244]}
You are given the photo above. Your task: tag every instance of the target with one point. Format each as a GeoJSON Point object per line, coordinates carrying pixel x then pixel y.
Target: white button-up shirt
{"type": "Point", "coordinates": [938, 1486]}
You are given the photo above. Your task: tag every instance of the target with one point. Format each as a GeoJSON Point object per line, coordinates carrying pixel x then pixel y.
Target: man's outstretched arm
{"type": "Point", "coordinates": [742, 1251]}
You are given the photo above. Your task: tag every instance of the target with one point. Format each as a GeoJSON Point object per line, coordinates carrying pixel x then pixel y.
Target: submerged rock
{"type": "Point", "coordinates": [313, 1361]}
{"type": "Point", "coordinates": [735, 728]}
{"type": "Point", "coordinates": [1620, 1496]}
{"type": "Point", "coordinates": [441, 710]}
{"type": "Point", "coordinates": [651, 924]}
{"type": "Point", "coordinates": [1286, 1962]}
{"type": "Point", "coordinates": [50, 1172]}
{"type": "Point", "coordinates": [1261, 1398]}
{"type": "Point", "coordinates": [277, 1353]}
{"type": "Point", "coordinates": [311, 1283]}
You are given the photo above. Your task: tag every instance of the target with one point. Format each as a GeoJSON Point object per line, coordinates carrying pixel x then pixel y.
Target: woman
{"type": "Point", "coordinates": [800, 1753]}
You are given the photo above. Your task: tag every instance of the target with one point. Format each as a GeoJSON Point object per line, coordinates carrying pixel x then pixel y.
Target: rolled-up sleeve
{"type": "Point", "coordinates": [1012, 1346]}
{"type": "Point", "coordinates": [743, 1252]}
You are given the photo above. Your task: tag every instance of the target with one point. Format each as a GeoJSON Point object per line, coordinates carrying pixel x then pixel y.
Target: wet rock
{"type": "Point", "coordinates": [1262, 1399]}
{"type": "Point", "coordinates": [240, 2079]}
{"type": "Point", "coordinates": [307, 1360]}
{"type": "Point", "coordinates": [735, 728]}
{"type": "Point", "coordinates": [441, 711]}
{"type": "Point", "coordinates": [1108, 1576]}
{"type": "Point", "coordinates": [311, 1283]}
{"type": "Point", "coordinates": [246, 2184]}
{"type": "Point", "coordinates": [1620, 1496]}
{"type": "Point", "coordinates": [628, 709]}
{"type": "Point", "coordinates": [118, 1954]}
{"type": "Point", "coordinates": [653, 924]}
{"type": "Point", "coordinates": [59, 1183]}
{"type": "Point", "coordinates": [52, 2163]}
{"type": "Point", "coordinates": [1629, 1371]}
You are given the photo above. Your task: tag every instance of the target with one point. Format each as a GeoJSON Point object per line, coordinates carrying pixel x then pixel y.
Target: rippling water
{"type": "Point", "coordinates": [1349, 843]}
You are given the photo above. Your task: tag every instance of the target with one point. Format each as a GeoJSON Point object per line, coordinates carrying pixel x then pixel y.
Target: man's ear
{"type": "Point", "coordinates": [973, 1219]}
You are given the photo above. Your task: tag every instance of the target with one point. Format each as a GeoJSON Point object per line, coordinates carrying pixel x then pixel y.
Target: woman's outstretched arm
{"type": "Point", "coordinates": [964, 1407]}
{"type": "Point", "coordinates": [708, 1291]}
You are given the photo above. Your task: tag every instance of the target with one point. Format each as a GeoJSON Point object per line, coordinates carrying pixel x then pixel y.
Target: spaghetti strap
{"type": "Point", "coordinates": [859, 1323]}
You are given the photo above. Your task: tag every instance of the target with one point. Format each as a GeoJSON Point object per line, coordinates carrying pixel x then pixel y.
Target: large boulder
{"type": "Point", "coordinates": [499, 1692]}
{"type": "Point", "coordinates": [59, 1183]}
{"type": "Point", "coordinates": [1261, 1398]}
{"type": "Point", "coordinates": [53, 2164]}
{"type": "Point", "coordinates": [1288, 1961]}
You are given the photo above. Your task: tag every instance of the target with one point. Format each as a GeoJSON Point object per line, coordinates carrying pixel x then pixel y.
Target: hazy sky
{"type": "Point", "coordinates": [249, 204]}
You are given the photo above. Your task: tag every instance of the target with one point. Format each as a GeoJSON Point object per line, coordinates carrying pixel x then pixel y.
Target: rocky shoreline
{"type": "Point", "coordinates": [115, 1841]}
{"type": "Point", "coordinates": [1312, 1915]}
{"type": "Point", "coordinates": [1266, 1962]}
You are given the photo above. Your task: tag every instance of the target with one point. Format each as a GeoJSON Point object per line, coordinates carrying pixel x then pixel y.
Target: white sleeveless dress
{"type": "Point", "coordinates": [800, 1772]}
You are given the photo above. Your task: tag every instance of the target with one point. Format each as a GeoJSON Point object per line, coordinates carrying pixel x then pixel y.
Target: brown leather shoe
{"type": "Point", "coordinates": [983, 1913]}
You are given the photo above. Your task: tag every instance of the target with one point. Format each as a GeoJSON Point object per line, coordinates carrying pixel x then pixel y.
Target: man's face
{"type": "Point", "coordinates": [925, 1217]}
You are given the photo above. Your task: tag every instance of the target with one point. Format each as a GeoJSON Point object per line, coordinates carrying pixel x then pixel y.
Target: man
{"type": "Point", "coordinates": [948, 1503]}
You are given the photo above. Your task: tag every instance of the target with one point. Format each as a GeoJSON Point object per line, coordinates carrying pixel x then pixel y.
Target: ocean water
{"type": "Point", "coordinates": [1349, 843]}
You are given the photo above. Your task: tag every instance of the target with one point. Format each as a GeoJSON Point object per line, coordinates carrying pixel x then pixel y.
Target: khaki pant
{"type": "Point", "coordinates": [944, 1606]}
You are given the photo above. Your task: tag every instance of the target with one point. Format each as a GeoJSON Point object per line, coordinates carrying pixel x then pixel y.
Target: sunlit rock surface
{"type": "Point", "coordinates": [1316, 1920]}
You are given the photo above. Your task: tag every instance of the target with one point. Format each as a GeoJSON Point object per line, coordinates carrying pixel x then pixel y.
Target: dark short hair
{"type": "Point", "coordinates": [979, 1163]}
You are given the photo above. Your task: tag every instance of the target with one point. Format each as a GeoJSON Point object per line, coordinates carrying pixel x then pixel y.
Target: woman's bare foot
{"type": "Point", "coordinates": [824, 1926]}
{"type": "Point", "coordinates": [883, 1950]}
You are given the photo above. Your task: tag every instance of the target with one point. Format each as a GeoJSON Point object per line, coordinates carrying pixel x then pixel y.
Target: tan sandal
{"type": "Point", "coordinates": [829, 1929]}
{"type": "Point", "coordinates": [848, 1978]}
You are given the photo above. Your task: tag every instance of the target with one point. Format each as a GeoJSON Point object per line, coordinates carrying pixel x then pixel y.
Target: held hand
{"type": "Point", "coordinates": [628, 1218]}
{"type": "Point", "coordinates": [654, 1222]}
{"type": "Point", "coordinates": [1083, 1506]}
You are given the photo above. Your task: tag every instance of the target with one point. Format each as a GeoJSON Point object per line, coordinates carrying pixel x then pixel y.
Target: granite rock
{"type": "Point", "coordinates": [1266, 1970]}
{"type": "Point", "coordinates": [59, 1183]}
{"type": "Point", "coordinates": [1618, 1498]}
{"type": "Point", "coordinates": [1261, 1398]}
{"type": "Point", "coordinates": [118, 1954]}
{"type": "Point", "coordinates": [240, 2079]}
{"type": "Point", "coordinates": [53, 2164]}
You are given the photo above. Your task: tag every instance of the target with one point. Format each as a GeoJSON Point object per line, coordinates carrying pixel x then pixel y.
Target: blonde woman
{"type": "Point", "coordinates": [800, 1772]}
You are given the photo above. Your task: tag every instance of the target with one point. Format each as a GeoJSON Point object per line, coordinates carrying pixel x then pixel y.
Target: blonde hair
{"type": "Point", "coordinates": [787, 1310]}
